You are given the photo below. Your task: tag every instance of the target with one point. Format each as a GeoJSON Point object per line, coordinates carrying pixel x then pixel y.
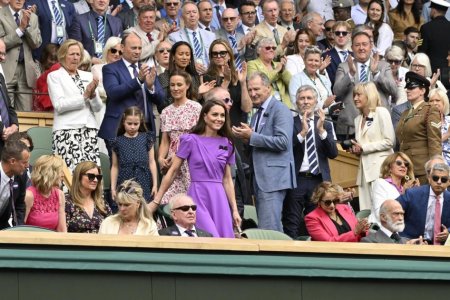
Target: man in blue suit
{"type": "Point", "coordinates": [270, 140]}
{"type": "Point", "coordinates": [56, 18]}
{"type": "Point", "coordinates": [94, 28]}
{"type": "Point", "coordinates": [127, 84]}
{"type": "Point", "coordinates": [314, 143]}
{"type": "Point", "coordinates": [427, 208]}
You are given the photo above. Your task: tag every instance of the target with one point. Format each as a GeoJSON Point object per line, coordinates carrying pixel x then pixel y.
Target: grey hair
{"type": "Point", "coordinates": [175, 199]}
{"type": "Point", "coordinates": [422, 59]}
{"type": "Point", "coordinates": [265, 41]}
{"type": "Point", "coordinates": [428, 165]}
{"type": "Point", "coordinates": [211, 95]}
{"type": "Point", "coordinates": [440, 167]}
{"type": "Point", "coordinates": [265, 80]}
{"type": "Point", "coordinates": [305, 88]}
{"type": "Point", "coordinates": [289, 1]}
{"type": "Point", "coordinates": [312, 50]}
{"type": "Point", "coordinates": [394, 52]}
{"type": "Point", "coordinates": [308, 18]}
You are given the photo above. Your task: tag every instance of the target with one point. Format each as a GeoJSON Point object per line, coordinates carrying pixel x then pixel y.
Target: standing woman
{"type": "Point", "coordinates": [176, 119]}
{"type": "Point", "coordinates": [209, 151]}
{"type": "Point", "coordinates": [279, 77]}
{"type": "Point", "coordinates": [382, 32]}
{"type": "Point", "coordinates": [419, 129]}
{"type": "Point", "coordinates": [406, 14]}
{"type": "Point", "coordinates": [296, 62]}
{"type": "Point", "coordinates": [85, 207]}
{"type": "Point", "coordinates": [439, 99]}
{"type": "Point", "coordinates": [75, 98]}
{"type": "Point", "coordinates": [222, 69]}
{"type": "Point", "coordinates": [374, 139]}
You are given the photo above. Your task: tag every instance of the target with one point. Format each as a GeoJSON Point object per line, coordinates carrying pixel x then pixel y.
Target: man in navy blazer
{"type": "Point", "coordinates": [419, 204]}
{"type": "Point", "coordinates": [270, 140]}
{"type": "Point", "coordinates": [49, 31]}
{"type": "Point", "coordinates": [297, 203]}
{"type": "Point", "coordinates": [85, 29]}
{"type": "Point", "coordinates": [123, 89]}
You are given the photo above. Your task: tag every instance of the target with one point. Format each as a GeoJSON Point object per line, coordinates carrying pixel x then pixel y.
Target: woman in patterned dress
{"type": "Point", "coordinates": [177, 119]}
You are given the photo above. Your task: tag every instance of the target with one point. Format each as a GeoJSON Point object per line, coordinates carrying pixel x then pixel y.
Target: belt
{"type": "Point", "coordinates": [308, 174]}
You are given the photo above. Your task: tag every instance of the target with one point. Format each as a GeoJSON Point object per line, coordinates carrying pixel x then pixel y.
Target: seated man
{"type": "Point", "coordinates": [183, 209]}
{"type": "Point", "coordinates": [427, 208]}
{"type": "Point", "coordinates": [392, 223]}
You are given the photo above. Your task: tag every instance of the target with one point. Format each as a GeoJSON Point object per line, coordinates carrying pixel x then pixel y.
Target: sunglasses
{"type": "Point", "coordinates": [402, 163]}
{"type": "Point", "coordinates": [219, 53]}
{"type": "Point", "coordinates": [394, 62]}
{"type": "Point", "coordinates": [249, 13]}
{"type": "Point", "coordinates": [125, 189]}
{"type": "Point", "coordinates": [341, 33]}
{"type": "Point", "coordinates": [91, 177]}
{"type": "Point", "coordinates": [228, 100]}
{"type": "Point", "coordinates": [185, 208]}
{"type": "Point", "coordinates": [443, 179]}
{"type": "Point", "coordinates": [114, 51]}
{"type": "Point", "coordinates": [328, 202]}
{"type": "Point", "coordinates": [328, 29]}
{"type": "Point", "coordinates": [172, 3]}
{"type": "Point", "coordinates": [162, 50]}
{"type": "Point", "coordinates": [268, 48]}
{"type": "Point", "coordinates": [231, 19]}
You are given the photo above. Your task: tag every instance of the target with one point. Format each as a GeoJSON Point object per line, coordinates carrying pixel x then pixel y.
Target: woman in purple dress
{"type": "Point", "coordinates": [210, 152]}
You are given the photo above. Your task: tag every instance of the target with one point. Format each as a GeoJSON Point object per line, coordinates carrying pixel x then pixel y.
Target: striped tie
{"type": "Point", "coordinates": [276, 36]}
{"type": "Point", "coordinates": [197, 47]}
{"type": "Point", "coordinates": [58, 20]}
{"type": "Point", "coordinates": [363, 74]}
{"type": "Point", "coordinates": [100, 33]}
{"type": "Point", "coordinates": [344, 54]}
{"type": "Point", "coordinates": [237, 57]}
{"type": "Point", "coordinates": [311, 151]}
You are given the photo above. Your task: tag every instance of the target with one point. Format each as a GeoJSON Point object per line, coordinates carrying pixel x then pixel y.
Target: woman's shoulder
{"type": "Point", "coordinates": [194, 104]}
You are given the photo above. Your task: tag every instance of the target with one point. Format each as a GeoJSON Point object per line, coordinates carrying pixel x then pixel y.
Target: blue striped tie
{"type": "Point", "coordinates": [197, 47]}
{"type": "Point", "coordinates": [237, 57]}
{"type": "Point", "coordinates": [344, 54]}
{"type": "Point", "coordinates": [311, 151]}
{"type": "Point", "coordinates": [58, 20]}
{"type": "Point", "coordinates": [363, 74]}
{"type": "Point", "coordinates": [100, 33]}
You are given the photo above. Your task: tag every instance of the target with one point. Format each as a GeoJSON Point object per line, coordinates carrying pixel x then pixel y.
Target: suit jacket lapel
{"type": "Point", "coordinates": [266, 114]}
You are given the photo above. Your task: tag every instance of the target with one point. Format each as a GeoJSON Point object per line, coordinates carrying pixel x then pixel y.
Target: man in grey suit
{"type": "Point", "coordinates": [361, 68]}
{"type": "Point", "coordinates": [392, 222]}
{"type": "Point", "coordinates": [270, 141]}
{"type": "Point", "coordinates": [19, 29]}
{"type": "Point", "coordinates": [182, 210]}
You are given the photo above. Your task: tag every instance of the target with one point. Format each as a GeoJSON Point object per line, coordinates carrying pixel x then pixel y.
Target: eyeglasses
{"type": "Point", "coordinates": [417, 66]}
{"type": "Point", "coordinates": [185, 208]}
{"type": "Point", "coordinates": [249, 13]}
{"type": "Point", "coordinates": [219, 53]}
{"type": "Point", "coordinates": [394, 61]}
{"type": "Point", "coordinates": [91, 177]}
{"type": "Point", "coordinates": [328, 202]}
{"type": "Point", "coordinates": [328, 29]}
{"type": "Point", "coordinates": [172, 3]}
{"type": "Point", "coordinates": [162, 50]}
{"type": "Point", "coordinates": [114, 51]}
{"type": "Point", "coordinates": [126, 189]}
{"type": "Point", "coordinates": [231, 19]}
{"type": "Point", "coordinates": [228, 101]}
{"type": "Point", "coordinates": [436, 178]}
{"type": "Point", "coordinates": [341, 33]}
{"type": "Point", "coordinates": [401, 163]}
{"type": "Point", "coordinates": [270, 48]}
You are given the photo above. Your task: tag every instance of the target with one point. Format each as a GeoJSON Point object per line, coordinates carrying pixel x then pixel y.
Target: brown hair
{"type": "Point", "coordinates": [323, 188]}
{"type": "Point", "coordinates": [385, 170]}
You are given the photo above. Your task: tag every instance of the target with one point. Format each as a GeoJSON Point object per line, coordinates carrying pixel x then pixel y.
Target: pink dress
{"type": "Point", "coordinates": [175, 121]}
{"type": "Point", "coordinates": [45, 211]}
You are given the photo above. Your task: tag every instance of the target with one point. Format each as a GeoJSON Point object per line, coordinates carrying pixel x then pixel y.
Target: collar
{"type": "Point", "coordinates": [270, 26]}
{"type": "Point", "coordinates": [13, 11]}
{"type": "Point", "coordinates": [340, 49]}
{"type": "Point", "coordinates": [416, 105]}
{"type": "Point", "coordinates": [266, 103]}
{"type": "Point", "coordinates": [232, 34]}
{"type": "Point", "coordinates": [182, 229]}
{"type": "Point", "coordinates": [386, 231]}
{"type": "Point", "coordinates": [190, 31]}
{"type": "Point", "coordinates": [291, 25]}
{"type": "Point", "coordinates": [434, 195]}
{"type": "Point", "coordinates": [3, 174]}
{"type": "Point", "coordinates": [128, 64]}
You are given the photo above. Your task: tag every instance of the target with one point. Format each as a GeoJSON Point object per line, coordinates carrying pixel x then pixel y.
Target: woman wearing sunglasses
{"type": "Point", "coordinates": [382, 32]}
{"type": "Point", "coordinates": [44, 201]}
{"type": "Point", "coordinates": [332, 221]}
{"type": "Point", "coordinates": [133, 217]}
{"type": "Point", "coordinates": [85, 207]}
{"type": "Point", "coordinates": [394, 57]}
{"type": "Point", "coordinates": [397, 175]}
{"type": "Point", "coordinates": [162, 56]}
{"type": "Point", "coordinates": [279, 77]}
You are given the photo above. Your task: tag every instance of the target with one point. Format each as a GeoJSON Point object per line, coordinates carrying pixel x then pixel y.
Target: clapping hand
{"type": "Point", "coordinates": [150, 77]}
{"type": "Point", "coordinates": [374, 63]}
{"type": "Point", "coordinates": [351, 66]}
{"type": "Point", "coordinates": [356, 148]}
{"type": "Point", "coordinates": [206, 86]}
{"type": "Point", "coordinates": [324, 63]}
{"type": "Point", "coordinates": [89, 92]}
{"type": "Point", "coordinates": [361, 227]}
{"type": "Point", "coordinates": [242, 75]}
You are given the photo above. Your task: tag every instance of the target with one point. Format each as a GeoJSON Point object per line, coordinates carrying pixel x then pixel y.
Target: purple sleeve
{"type": "Point", "coordinates": [185, 147]}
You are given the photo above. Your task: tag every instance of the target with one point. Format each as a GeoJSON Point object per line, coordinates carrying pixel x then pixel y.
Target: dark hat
{"type": "Point", "coordinates": [415, 80]}
{"type": "Point", "coordinates": [341, 3]}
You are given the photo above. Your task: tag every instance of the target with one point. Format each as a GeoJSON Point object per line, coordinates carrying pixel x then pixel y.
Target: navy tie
{"type": "Point", "coordinates": [16, 15]}
{"type": "Point", "coordinates": [363, 74]}
{"type": "Point", "coordinates": [237, 57]}
{"type": "Point", "coordinates": [197, 47]}
{"type": "Point", "coordinates": [190, 232]}
{"type": "Point", "coordinates": [311, 151]}
{"type": "Point", "coordinates": [58, 20]}
{"type": "Point", "coordinates": [11, 197]}
{"type": "Point", "coordinates": [100, 33]}
{"type": "Point", "coordinates": [344, 54]}
{"type": "Point", "coordinates": [258, 118]}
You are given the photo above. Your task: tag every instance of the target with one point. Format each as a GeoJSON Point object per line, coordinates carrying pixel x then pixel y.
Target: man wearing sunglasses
{"type": "Point", "coordinates": [427, 208]}
{"type": "Point", "coordinates": [183, 213]}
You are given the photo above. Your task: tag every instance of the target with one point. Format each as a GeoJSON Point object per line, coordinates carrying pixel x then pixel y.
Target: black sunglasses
{"type": "Point", "coordinates": [436, 178]}
{"type": "Point", "coordinates": [231, 19]}
{"type": "Point", "coordinates": [334, 201]}
{"type": "Point", "coordinates": [328, 29]}
{"type": "Point", "coordinates": [162, 50]}
{"type": "Point", "coordinates": [401, 163]}
{"type": "Point", "coordinates": [172, 3]}
{"type": "Point", "coordinates": [114, 51]}
{"type": "Point", "coordinates": [91, 177]}
{"type": "Point", "coordinates": [185, 208]}
{"type": "Point", "coordinates": [341, 33]}
{"type": "Point", "coordinates": [270, 48]}
{"type": "Point", "coordinates": [394, 61]}
{"type": "Point", "coordinates": [219, 53]}
{"type": "Point", "coordinates": [228, 100]}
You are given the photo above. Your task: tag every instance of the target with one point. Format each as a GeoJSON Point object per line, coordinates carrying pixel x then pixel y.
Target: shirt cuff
{"type": "Point", "coordinates": [19, 32]}
{"type": "Point", "coordinates": [323, 135]}
{"type": "Point", "coordinates": [300, 138]}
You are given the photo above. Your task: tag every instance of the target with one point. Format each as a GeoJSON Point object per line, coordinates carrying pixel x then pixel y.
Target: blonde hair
{"type": "Point", "coordinates": [326, 187]}
{"type": "Point", "coordinates": [442, 96]}
{"type": "Point", "coordinates": [75, 190]}
{"type": "Point", "coordinates": [47, 173]}
{"type": "Point", "coordinates": [369, 90]}
{"type": "Point", "coordinates": [110, 43]}
{"type": "Point", "coordinates": [62, 51]}
{"type": "Point", "coordinates": [385, 170]}
{"type": "Point", "coordinates": [131, 192]}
